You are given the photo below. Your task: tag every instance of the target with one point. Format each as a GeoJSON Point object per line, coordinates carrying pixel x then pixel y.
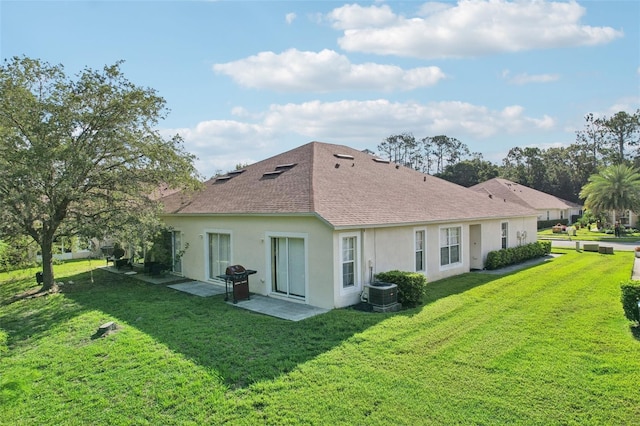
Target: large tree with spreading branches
{"type": "Point", "coordinates": [81, 155]}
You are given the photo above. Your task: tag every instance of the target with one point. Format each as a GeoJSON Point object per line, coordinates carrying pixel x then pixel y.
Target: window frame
{"type": "Point", "coordinates": [450, 264]}
{"type": "Point", "coordinates": [207, 250]}
{"type": "Point", "coordinates": [504, 235]}
{"type": "Point", "coordinates": [422, 250]}
{"type": "Point", "coordinates": [357, 279]}
{"type": "Point", "coordinates": [268, 238]}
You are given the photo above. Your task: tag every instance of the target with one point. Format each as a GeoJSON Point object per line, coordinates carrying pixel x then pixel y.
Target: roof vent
{"type": "Point", "coordinates": [228, 176]}
{"type": "Point", "coordinates": [344, 156]}
{"type": "Point", "coordinates": [381, 160]}
{"type": "Point", "coordinates": [285, 166]}
{"type": "Point", "coordinates": [273, 174]}
{"type": "Point", "coordinates": [222, 179]}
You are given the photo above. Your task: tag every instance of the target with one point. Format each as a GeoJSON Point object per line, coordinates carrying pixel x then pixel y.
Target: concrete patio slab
{"type": "Point", "coordinates": [199, 288]}
{"type": "Point", "coordinates": [138, 275]}
{"type": "Point", "coordinates": [278, 308]}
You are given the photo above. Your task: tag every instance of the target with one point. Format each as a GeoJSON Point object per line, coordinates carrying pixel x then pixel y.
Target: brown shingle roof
{"type": "Point", "coordinates": [345, 187]}
{"type": "Point", "coordinates": [517, 193]}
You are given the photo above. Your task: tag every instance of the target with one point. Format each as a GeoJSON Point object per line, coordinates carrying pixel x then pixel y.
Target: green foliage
{"type": "Point", "coordinates": [630, 298]}
{"type": "Point", "coordinates": [512, 255]}
{"type": "Point", "coordinates": [81, 155]}
{"type": "Point", "coordinates": [545, 345]}
{"type": "Point", "coordinates": [16, 253]}
{"type": "Point", "coordinates": [616, 188]}
{"type": "Point", "coordinates": [412, 286]}
{"type": "Point", "coordinates": [544, 224]}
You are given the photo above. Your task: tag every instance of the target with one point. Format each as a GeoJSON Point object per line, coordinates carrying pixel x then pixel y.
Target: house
{"type": "Point", "coordinates": [549, 207]}
{"type": "Point", "coordinates": [319, 221]}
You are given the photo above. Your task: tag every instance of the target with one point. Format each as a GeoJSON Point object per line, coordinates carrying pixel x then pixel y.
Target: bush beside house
{"type": "Point", "coordinates": [412, 286]}
{"type": "Point", "coordinates": [512, 255]}
{"type": "Point", "coordinates": [630, 298]}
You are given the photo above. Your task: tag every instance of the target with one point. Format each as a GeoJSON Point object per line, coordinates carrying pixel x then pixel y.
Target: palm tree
{"type": "Point", "coordinates": [615, 189]}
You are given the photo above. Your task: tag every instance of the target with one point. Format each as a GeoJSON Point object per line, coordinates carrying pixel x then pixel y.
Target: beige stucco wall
{"type": "Point", "coordinates": [388, 248]}
{"type": "Point", "coordinates": [250, 248]}
{"type": "Point", "coordinates": [379, 249]}
{"type": "Point", "coordinates": [557, 214]}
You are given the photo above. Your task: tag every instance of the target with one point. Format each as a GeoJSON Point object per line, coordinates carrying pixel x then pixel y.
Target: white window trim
{"type": "Point", "coordinates": [424, 250]}
{"type": "Point", "coordinates": [506, 237]}
{"type": "Point", "coordinates": [173, 251]}
{"type": "Point", "coordinates": [207, 255]}
{"type": "Point", "coordinates": [461, 243]}
{"type": "Point", "coordinates": [267, 253]}
{"type": "Point", "coordinates": [357, 287]}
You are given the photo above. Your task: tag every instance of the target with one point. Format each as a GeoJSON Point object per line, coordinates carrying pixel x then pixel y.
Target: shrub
{"type": "Point", "coordinates": [412, 286]}
{"type": "Point", "coordinates": [545, 224]}
{"type": "Point", "coordinates": [630, 298]}
{"type": "Point", "coordinates": [512, 255]}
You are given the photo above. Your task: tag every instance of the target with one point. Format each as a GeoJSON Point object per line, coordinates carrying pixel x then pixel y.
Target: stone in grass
{"type": "Point", "coordinates": [105, 329]}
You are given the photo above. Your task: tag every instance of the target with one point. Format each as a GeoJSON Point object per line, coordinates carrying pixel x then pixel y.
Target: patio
{"type": "Point", "coordinates": [270, 306]}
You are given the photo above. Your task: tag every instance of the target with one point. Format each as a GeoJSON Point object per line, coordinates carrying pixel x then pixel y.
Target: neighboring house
{"type": "Point", "coordinates": [319, 221]}
{"type": "Point", "coordinates": [549, 207]}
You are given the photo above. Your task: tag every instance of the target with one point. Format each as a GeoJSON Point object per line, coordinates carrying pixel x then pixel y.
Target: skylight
{"type": "Point", "coordinates": [285, 166]}
{"type": "Point", "coordinates": [381, 160]}
{"type": "Point", "coordinates": [344, 156]}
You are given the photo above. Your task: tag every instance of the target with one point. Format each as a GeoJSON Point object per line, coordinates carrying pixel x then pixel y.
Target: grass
{"type": "Point", "coordinates": [546, 345]}
{"type": "Point", "coordinates": [584, 234]}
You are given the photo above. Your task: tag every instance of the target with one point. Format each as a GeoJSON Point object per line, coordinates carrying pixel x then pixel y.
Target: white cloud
{"type": "Point", "coordinates": [221, 144]}
{"type": "Point", "coordinates": [524, 78]}
{"type": "Point", "coordinates": [469, 28]}
{"type": "Point", "coordinates": [327, 70]}
{"type": "Point", "coordinates": [290, 17]}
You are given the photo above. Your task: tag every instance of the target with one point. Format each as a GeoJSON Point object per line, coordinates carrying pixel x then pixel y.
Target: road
{"type": "Point", "coordinates": [622, 246]}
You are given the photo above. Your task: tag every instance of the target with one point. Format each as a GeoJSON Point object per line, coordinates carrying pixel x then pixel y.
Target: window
{"type": "Point", "coordinates": [176, 247]}
{"type": "Point", "coordinates": [419, 249]}
{"type": "Point", "coordinates": [449, 246]}
{"type": "Point", "coordinates": [219, 246]}
{"type": "Point", "coordinates": [288, 266]}
{"type": "Point", "coordinates": [348, 262]}
{"type": "Point", "coordinates": [505, 234]}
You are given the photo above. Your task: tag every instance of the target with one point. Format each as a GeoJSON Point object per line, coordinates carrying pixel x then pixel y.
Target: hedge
{"type": "Point", "coordinates": [412, 286]}
{"type": "Point", "coordinates": [630, 298]}
{"type": "Point", "coordinates": [545, 224]}
{"type": "Point", "coordinates": [512, 255]}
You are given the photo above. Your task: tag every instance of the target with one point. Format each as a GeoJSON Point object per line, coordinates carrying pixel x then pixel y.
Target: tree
{"type": "Point", "coordinates": [443, 151]}
{"type": "Point", "coordinates": [622, 131]}
{"type": "Point", "coordinates": [81, 156]}
{"type": "Point", "coordinates": [592, 139]}
{"type": "Point", "coordinates": [470, 172]}
{"type": "Point", "coordinates": [401, 149]}
{"type": "Point", "coordinates": [616, 188]}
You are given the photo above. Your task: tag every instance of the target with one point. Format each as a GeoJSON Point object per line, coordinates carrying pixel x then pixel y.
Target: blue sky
{"type": "Point", "coordinates": [245, 80]}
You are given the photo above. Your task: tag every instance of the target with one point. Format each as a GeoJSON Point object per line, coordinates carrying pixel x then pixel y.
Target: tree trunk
{"type": "Point", "coordinates": [47, 264]}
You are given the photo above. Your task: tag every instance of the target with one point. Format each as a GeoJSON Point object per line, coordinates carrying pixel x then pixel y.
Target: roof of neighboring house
{"type": "Point", "coordinates": [344, 186]}
{"type": "Point", "coordinates": [523, 195]}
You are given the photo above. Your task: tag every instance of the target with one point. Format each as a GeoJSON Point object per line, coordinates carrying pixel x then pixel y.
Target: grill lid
{"type": "Point", "coordinates": [235, 269]}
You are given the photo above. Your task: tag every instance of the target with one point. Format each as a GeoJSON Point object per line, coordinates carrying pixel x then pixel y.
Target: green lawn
{"type": "Point", "coordinates": [547, 345]}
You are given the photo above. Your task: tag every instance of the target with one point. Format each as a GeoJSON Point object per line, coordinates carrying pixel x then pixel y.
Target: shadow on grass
{"type": "Point", "coordinates": [635, 331]}
{"type": "Point", "coordinates": [239, 346]}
